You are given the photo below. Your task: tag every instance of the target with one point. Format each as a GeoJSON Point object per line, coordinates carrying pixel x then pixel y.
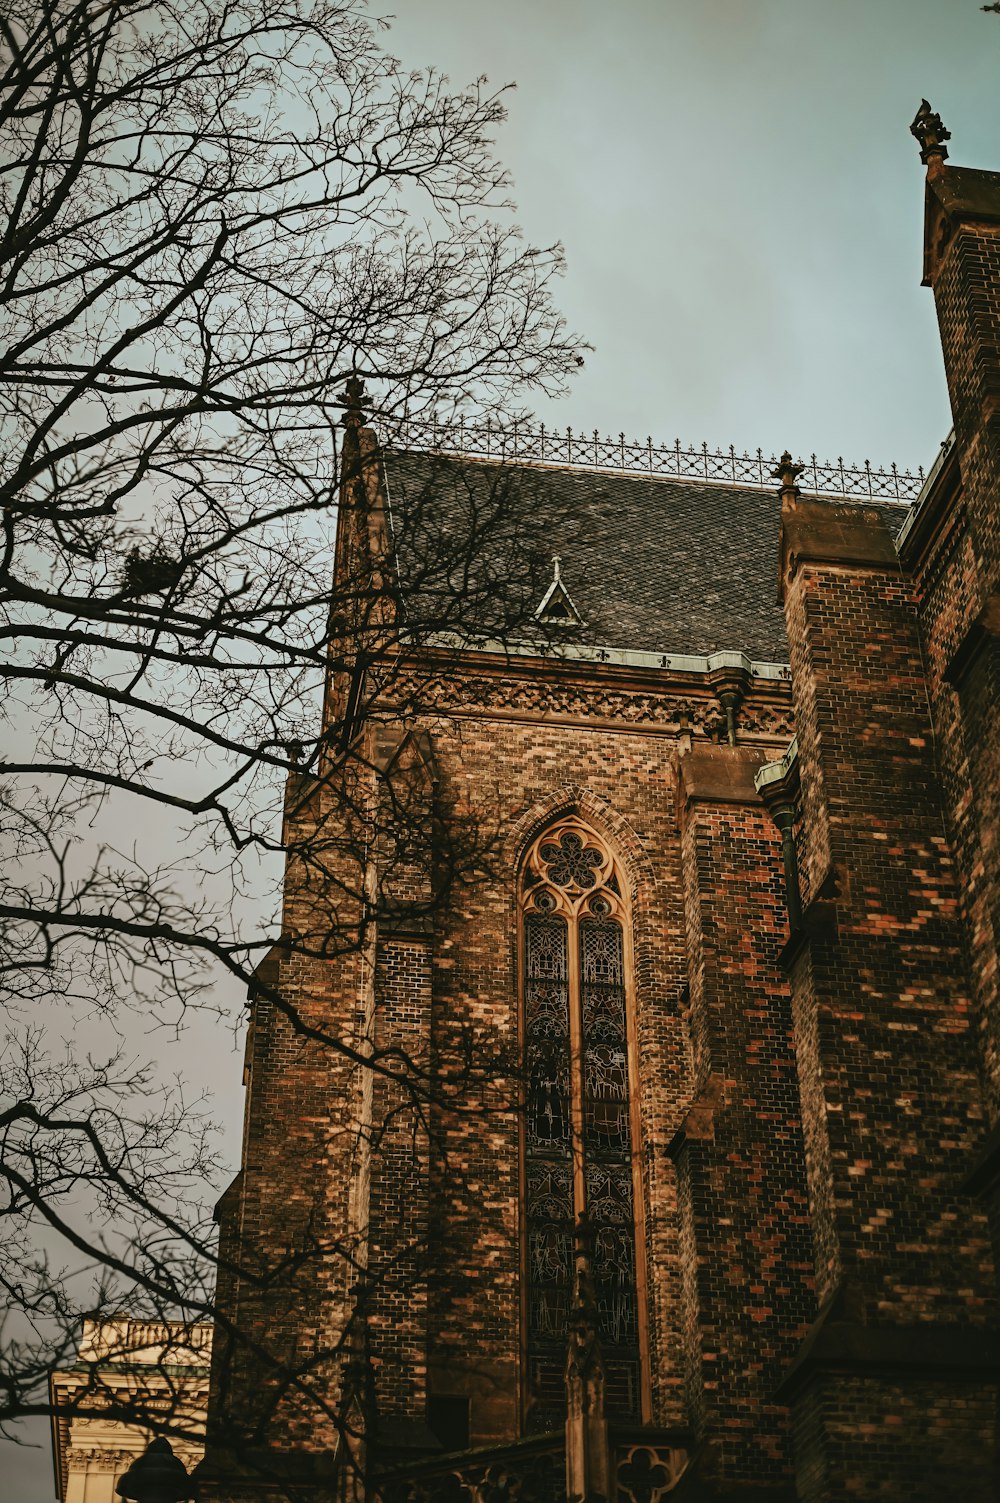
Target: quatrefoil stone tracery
{"type": "Point", "coordinates": [571, 863]}
{"type": "Point", "coordinates": [647, 1474]}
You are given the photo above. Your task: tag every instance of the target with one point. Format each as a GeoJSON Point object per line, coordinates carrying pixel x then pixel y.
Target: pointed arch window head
{"type": "Point", "coordinates": [578, 1140]}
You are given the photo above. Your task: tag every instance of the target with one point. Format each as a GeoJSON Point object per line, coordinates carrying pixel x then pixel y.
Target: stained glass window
{"type": "Point", "coordinates": [578, 1139]}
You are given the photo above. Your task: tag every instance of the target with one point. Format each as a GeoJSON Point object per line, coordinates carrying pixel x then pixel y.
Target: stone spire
{"type": "Point", "coordinates": [353, 399]}
{"type": "Point", "coordinates": [932, 135]}
{"type": "Point", "coordinates": [788, 472]}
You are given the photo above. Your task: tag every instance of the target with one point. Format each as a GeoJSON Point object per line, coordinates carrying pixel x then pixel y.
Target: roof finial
{"type": "Point", "coordinates": [932, 135]}
{"type": "Point", "coordinates": [556, 561]}
{"type": "Point", "coordinates": [787, 471]}
{"type": "Point", "coordinates": [353, 399]}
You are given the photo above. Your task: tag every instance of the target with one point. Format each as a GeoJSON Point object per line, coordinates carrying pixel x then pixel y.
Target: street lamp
{"type": "Point", "coordinates": [157, 1476]}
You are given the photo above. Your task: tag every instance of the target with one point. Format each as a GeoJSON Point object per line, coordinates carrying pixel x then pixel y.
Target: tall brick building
{"type": "Point", "coordinates": [656, 1149]}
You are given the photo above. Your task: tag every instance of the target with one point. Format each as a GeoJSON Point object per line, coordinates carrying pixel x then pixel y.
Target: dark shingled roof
{"type": "Point", "coordinates": [656, 565]}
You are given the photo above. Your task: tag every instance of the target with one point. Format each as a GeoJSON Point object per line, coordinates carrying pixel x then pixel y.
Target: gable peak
{"type": "Point", "coordinates": [556, 606]}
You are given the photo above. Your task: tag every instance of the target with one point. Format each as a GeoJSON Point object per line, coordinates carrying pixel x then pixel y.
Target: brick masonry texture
{"type": "Point", "coordinates": [750, 1295]}
{"type": "Point", "coordinates": [624, 787]}
{"type": "Point", "coordinates": [875, 1439]}
{"type": "Point", "coordinates": [958, 571]}
{"type": "Point", "coordinates": [815, 1111]}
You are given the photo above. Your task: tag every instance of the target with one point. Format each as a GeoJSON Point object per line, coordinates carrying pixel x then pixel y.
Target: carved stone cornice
{"type": "Point", "coordinates": [670, 711]}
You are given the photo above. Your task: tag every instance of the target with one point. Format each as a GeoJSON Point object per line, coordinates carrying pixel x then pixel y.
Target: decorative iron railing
{"type": "Point", "coordinates": [647, 1469]}
{"type": "Point", "coordinates": [517, 442]}
{"type": "Point", "coordinates": [515, 1474]}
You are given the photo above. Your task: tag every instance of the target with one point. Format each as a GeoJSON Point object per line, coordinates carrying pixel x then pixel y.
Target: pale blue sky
{"type": "Point", "coordinates": [741, 205]}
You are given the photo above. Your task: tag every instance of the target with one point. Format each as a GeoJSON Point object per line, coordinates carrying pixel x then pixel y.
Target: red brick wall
{"type": "Point", "coordinates": [623, 784]}
{"type": "Point", "coordinates": [748, 1288]}
{"type": "Point", "coordinates": [955, 557]}
{"type": "Point", "coordinates": [875, 1439]}
{"type": "Point", "coordinates": [442, 1190]}
{"type": "Point", "coordinates": [887, 1044]}
{"type": "Point", "coordinates": [965, 276]}
{"type": "Point", "coordinates": [897, 1054]}
{"type": "Point", "coordinates": [288, 1224]}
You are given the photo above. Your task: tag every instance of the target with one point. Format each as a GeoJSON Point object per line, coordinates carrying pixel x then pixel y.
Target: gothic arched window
{"type": "Point", "coordinates": [578, 1136]}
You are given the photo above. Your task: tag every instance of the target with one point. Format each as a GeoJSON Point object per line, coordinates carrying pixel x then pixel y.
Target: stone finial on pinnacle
{"type": "Point", "coordinates": [931, 134]}
{"type": "Point", "coordinates": [787, 471]}
{"type": "Point", "coordinates": [354, 400]}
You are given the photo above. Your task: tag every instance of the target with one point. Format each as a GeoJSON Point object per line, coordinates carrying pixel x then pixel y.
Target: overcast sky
{"type": "Point", "coordinates": [741, 203]}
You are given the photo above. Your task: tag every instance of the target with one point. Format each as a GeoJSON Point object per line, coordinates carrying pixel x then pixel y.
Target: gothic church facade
{"type": "Point", "coordinates": [655, 1153]}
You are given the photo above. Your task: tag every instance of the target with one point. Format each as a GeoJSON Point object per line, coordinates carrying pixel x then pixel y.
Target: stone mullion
{"type": "Point", "coordinates": [576, 1065]}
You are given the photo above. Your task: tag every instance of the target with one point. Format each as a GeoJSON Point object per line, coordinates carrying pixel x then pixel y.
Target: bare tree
{"type": "Point", "coordinates": [218, 217]}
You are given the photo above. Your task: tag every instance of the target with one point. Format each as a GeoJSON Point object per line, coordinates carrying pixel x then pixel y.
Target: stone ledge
{"type": "Point", "coordinates": [953, 1354]}
{"type": "Point", "coordinates": [722, 774]}
{"type": "Point", "coordinates": [230, 1197]}
{"type": "Point", "coordinates": [982, 636]}
{"type": "Point", "coordinates": [818, 922]}
{"type": "Point", "coordinates": [984, 1176]}
{"type": "Point", "coordinates": [699, 1122]}
{"type": "Point", "coordinates": [818, 533]}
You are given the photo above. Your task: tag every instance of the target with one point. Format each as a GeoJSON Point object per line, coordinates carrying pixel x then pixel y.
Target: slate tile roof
{"type": "Point", "coordinates": [651, 564]}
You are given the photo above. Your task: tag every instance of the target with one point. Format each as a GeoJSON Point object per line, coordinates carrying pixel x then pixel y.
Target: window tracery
{"type": "Point", "coordinates": [578, 1133]}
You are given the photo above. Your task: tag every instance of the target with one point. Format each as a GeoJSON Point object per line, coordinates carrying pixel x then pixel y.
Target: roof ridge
{"type": "Point", "coordinates": [525, 446]}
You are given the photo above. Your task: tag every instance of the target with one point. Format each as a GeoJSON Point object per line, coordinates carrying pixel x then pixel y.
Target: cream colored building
{"type": "Point", "coordinates": [161, 1368]}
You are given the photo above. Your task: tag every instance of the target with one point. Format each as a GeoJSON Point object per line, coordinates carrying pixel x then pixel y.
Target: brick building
{"type": "Point", "coordinates": [129, 1377]}
{"type": "Point", "coordinates": [620, 1108]}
